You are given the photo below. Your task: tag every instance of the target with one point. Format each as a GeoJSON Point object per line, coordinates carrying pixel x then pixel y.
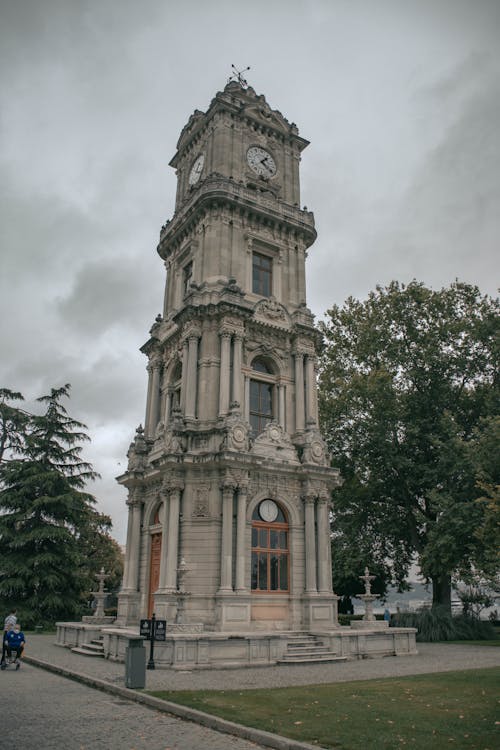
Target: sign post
{"type": "Point", "coordinates": [153, 630]}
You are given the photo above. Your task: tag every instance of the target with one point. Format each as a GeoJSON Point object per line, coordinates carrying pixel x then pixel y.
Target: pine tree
{"type": "Point", "coordinates": [43, 509]}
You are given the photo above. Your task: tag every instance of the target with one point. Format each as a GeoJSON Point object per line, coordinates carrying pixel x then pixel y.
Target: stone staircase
{"type": "Point", "coordinates": [308, 649]}
{"type": "Point", "coordinates": [94, 648]}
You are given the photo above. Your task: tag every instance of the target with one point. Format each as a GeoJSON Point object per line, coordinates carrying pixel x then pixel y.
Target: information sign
{"type": "Point", "coordinates": [160, 630]}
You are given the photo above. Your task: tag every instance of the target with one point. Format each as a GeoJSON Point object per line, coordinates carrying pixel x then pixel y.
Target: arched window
{"type": "Point", "coordinates": [262, 395]}
{"type": "Point", "coordinates": [175, 388]}
{"type": "Point", "coordinates": [270, 556]}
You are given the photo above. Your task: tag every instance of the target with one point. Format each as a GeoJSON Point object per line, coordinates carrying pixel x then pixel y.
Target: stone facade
{"type": "Point", "coordinates": [231, 417]}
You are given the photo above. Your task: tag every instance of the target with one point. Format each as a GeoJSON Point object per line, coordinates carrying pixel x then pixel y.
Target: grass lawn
{"type": "Point", "coordinates": [494, 642]}
{"type": "Point", "coordinates": [446, 710]}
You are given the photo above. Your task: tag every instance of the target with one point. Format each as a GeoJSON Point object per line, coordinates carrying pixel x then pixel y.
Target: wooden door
{"type": "Point", "coordinates": [154, 570]}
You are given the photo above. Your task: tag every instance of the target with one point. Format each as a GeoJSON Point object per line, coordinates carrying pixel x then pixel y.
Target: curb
{"type": "Point", "coordinates": [267, 739]}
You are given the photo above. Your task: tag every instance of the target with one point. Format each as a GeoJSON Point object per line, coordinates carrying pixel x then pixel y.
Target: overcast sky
{"type": "Point", "coordinates": [399, 98]}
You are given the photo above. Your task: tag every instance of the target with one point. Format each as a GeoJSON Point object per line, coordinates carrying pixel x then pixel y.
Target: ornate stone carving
{"type": "Point", "coordinates": [137, 451]}
{"type": "Point", "coordinates": [274, 442]}
{"type": "Point", "coordinates": [271, 309]}
{"type": "Point", "coordinates": [314, 448]}
{"type": "Point", "coordinates": [237, 431]}
{"type": "Point", "coordinates": [200, 507]}
{"type": "Point", "coordinates": [172, 442]}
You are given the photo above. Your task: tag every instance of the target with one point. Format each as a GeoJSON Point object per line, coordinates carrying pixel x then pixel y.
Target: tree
{"type": "Point", "coordinates": [407, 376]}
{"type": "Point", "coordinates": [47, 519]}
{"type": "Point", "coordinates": [13, 424]}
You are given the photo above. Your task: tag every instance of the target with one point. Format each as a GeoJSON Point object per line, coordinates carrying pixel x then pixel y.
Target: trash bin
{"type": "Point", "coordinates": [135, 664]}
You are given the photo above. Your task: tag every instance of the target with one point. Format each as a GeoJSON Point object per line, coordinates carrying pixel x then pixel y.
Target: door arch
{"type": "Point", "coordinates": [154, 563]}
{"type": "Point", "coordinates": [270, 561]}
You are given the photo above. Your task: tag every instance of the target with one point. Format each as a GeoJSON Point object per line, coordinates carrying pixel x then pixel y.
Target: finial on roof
{"type": "Point", "coordinates": [238, 76]}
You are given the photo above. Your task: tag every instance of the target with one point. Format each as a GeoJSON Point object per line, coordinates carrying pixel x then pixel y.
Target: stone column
{"type": "Point", "coordinates": [277, 275]}
{"type": "Point", "coordinates": [154, 411]}
{"type": "Point", "coordinates": [237, 355]}
{"type": "Point", "coordinates": [148, 399]}
{"type": "Point", "coordinates": [281, 406]}
{"type": "Point", "coordinates": [324, 565]}
{"type": "Point", "coordinates": [225, 363]}
{"type": "Point", "coordinates": [240, 538]}
{"type": "Point", "coordinates": [310, 544]}
{"type": "Point", "coordinates": [226, 562]}
{"type": "Point", "coordinates": [164, 545]}
{"type": "Point", "coordinates": [299, 392]}
{"type": "Point", "coordinates": [128, 546]}
{"type": "Point", "coordinates": [166, 298]}
{"type": "Point", "coordinates": [173, 539]}
{"type": "Point", "coordinates": [310, 391]}
{"type": "Point", "coordinates": [246, 409]}
{"type": "Point", "coordinates": [168, 407]}
{"type": "Point", "coordinates": [192, 377]}
{"type": "Point", "coordinates": [133, 551]}
{"type": "Point", "coordinates": [185, 359]}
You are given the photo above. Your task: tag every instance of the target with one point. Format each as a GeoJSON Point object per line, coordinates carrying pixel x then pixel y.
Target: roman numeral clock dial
{"type": "Point", "coordinates": [196, 169]}
{"type": "Point", "coordinates": [261, 162]}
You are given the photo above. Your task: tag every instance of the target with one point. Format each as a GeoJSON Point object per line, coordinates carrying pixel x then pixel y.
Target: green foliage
{"type": "Point", "coordinates": [13, 424]}
{"type": "Point", "coordinates": [437, 624]}
{"type": "Point", "coordinates": [50, 532]}
{"type": "Point", "coordinates": [408, 392]}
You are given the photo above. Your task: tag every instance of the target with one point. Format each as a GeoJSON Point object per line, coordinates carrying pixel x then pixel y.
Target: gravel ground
{"type": "Point", "coordinates": [432, 657]}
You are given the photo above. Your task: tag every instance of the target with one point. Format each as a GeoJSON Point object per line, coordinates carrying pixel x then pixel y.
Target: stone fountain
{"type": "Point", "coordinates": [99, 617]}
{"type": "Point", "coordinates": [369, 620]}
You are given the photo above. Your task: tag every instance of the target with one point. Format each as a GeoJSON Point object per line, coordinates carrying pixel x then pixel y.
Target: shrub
{"type": "Point", "coordinates": [437, 624]}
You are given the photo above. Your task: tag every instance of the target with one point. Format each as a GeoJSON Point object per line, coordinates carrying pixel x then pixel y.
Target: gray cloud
{"type": "Point", "coordinates": [399, 101]}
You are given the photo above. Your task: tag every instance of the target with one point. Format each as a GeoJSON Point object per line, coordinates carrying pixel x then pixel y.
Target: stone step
{"type": "Point", "coordinates": [305, 650]}
{"type": "Point", "coordinates": [302, 641]}
{"type": "Point", "coordinates": [89, 649]}
{"type": "Point", "coordinates": [310, 659]}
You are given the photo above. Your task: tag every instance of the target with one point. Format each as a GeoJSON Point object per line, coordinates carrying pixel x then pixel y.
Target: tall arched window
{"type": "Point", "coordinates": [270, 555]}
{"type": "Point", "coordinates": [175, 388]}
{"type": "Point", "coordinates": [262, 395]}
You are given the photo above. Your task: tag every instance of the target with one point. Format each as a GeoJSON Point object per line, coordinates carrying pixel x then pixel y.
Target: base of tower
{"type": "Point", "coordinates": [219, 650]}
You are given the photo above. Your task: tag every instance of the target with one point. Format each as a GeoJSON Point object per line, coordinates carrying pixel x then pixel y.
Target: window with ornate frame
{"type": "Point", "coordinates": [175, 388]}
{"type": "Point", "coordinates": [270, 571]}
{"type": "Point", "coordinates": [262, 274]}
{"type": "Point", "coordinates": [262, 395]}
{"type": "Point", "coordinates": [187, 274]}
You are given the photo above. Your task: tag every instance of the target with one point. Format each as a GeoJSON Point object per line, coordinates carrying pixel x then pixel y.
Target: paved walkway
{"type": "Point", "coordinates": [432, 657]}
{"type": "Point", "coordinates": [110, 677]}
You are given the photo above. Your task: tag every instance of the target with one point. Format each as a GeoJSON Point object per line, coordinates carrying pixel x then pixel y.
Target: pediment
{"type": "Point", "coordinates": [264, 114]}
{"type": "Point", "coordinates": [272, 312]}
{"type": "Point", "coordinates": [274, 443]}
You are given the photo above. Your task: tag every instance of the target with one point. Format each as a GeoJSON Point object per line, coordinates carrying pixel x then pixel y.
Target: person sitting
{"type": "Point", "coordinates": [15, 643]}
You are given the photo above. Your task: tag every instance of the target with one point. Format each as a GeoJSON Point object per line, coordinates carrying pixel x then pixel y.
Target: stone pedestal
{"type": "Point", "coordinates": [98, 620]}
{"type": "Point", "coordinates": [369, 624]}
{"type": "Point", "coordinates": [129, 608]}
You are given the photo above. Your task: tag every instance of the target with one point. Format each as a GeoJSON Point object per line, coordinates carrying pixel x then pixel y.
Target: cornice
{"type": "Point", "coordinates": [217, 189]}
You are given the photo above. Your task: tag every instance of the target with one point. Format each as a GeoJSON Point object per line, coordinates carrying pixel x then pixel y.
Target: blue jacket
{"type": "Point", "coordinates": [14, 640]}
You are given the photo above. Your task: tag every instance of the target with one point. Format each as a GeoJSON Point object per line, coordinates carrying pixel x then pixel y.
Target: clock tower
{"type": "Point", "coordinates": [229, 482]}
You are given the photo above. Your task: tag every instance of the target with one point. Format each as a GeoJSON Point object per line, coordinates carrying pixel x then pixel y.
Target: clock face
{"type": "Point", "coordinates": [196, 169]}
{"type": "Point", "coordinates": [261, 161]}
{"type": "Point", "coordinates": [268, 511]}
